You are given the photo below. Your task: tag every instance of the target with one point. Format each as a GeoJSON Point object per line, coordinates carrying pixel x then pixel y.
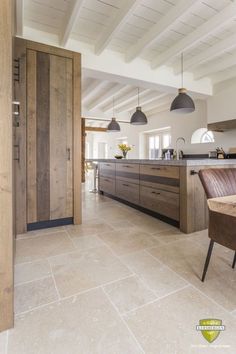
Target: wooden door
{"type": "Point", "coordinates": [49, 137]}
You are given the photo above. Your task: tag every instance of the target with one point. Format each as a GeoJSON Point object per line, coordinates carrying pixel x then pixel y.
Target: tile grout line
{"type": "Point", "coordinates": [194, 287]}
{"type": "Point", "coordinates": [54, 280]}
{"type": "Point", "coordinates": [61, 299]}
{"type": "Point", "coordinates": [156, 300]}
{"type": "Point", "coordinates": [31, 281]}
{"type": "Point", "coordinates": [124, 322]}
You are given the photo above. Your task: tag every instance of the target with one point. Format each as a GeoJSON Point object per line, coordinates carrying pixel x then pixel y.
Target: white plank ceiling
{"type": "Point", "coordinates": [157, 31]}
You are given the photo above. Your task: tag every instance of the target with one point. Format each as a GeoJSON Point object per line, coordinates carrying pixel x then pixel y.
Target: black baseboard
{"type": "Point", "coordinates": [144, 210]}
{"type": "Point", "coordinates": [49, 223]}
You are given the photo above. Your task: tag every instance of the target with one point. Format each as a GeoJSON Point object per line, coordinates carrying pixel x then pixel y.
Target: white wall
{"type": "Point", "coordinates": [181, 125]}
{"type": "Point", "coordinates": [222, 105]}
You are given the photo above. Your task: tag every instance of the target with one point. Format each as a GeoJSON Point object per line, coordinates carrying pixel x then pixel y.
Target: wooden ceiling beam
{"type": "Point", "coordinates": [161, 27]}
{"type": "Point", "coordinates": [199, 34]}
{"type": "Point", "coordinates": [70, 21]}
{"type": "Point", "coordinates": [116, 22]}
{"type": "Point", "coordinates": [95, 129]}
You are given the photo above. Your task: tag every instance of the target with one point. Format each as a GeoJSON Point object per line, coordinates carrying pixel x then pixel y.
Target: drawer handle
{"type": "Point", "coordinates": [156, 168]}
{"type": "Point", "coordinates": [157, 193]}
{"type": "Point", "coordinates": [106, 180]}
{"type": "Point", "coordinates": [125, 185]}
{"type": "Point", "coordinates": [127, 166]}
{"type": "Point", "coordinates": [107, 164]}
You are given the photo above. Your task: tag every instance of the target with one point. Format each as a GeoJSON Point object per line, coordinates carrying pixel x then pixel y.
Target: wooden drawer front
{"type": "Point", "coordinates": [128, 172]}
{"type": "Point", "coordinates": [163, 177]}
{"type": "Point", "coordinates": [127, 191]}
{"type": "Point", "coordinates": [107, 169]}
{"type": "Point", "coordinates": [107, 185]}
{"type": "Point", "coordinates": [160, 201]}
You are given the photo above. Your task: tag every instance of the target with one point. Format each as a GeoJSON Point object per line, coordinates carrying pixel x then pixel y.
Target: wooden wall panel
{"type": "Point", "coordinates": [43, 135]}
{"type": "Point", "coordinates": [31, 138]}
{"type": "Point", "coordinates": [77, 138]}
{"type": "Point", "coordinates": [70, 157]}
{"type": "Point", "coordinates": [60, 127]}
{"type": "Point", "coordinates": [19, 123]}
{"type": "Point", "coordinates": [6, 198]}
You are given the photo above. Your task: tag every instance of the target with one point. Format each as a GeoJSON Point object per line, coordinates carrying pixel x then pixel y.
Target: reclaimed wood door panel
{"type": "Point", "coordinates": [60, 137]}
{"type": "Point", "coordinates": [49, 137]}
{"type": "Point", "coordinates": [31, 138]}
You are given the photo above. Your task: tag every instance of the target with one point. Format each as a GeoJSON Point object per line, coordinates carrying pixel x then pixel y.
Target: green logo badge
{"type": "Point", "coordinates": [210, 329]}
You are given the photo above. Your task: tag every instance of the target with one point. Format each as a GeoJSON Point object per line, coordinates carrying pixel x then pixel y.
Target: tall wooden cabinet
{"type": "Point", "coordinates": [47, 136]}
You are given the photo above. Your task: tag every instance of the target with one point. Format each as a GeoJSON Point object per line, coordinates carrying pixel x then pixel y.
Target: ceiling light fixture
{"type": "Point", "coordinates": [113, 126]}
{"type": "Point", "coordinates": [138, 118]}
{"type": "Point", "coordinates": [182, 103]}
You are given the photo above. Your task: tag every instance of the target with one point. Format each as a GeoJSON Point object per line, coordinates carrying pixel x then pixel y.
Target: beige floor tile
{"type": "Point", "coordinates": [42, 247]}
{"type": "Point", "coordinates": [187, 258]}
{"type": "Point", "coordinates": [172, 235]}
{"type": "Point", "coordinates": [87, 324]}
{"type": "Point", "coordinates": [35, 233]}
{"type": "Point", "coordinates": [83, 270]}
{"type": "Point", "coordinates": [128, 294]}
{"type": "Point", "coordinates": [92, 227]}
{"type": "Point", "coordinates": [3, 342]}
{"type": "Point", "coordinates": [26, 272]}
{"type": "Point", "coordinates": [87, 242]}
{"type": "Point", "coordinates": [34, 294]}
{"type": "Point", "coordinates": [168, 326]}
{"type": "Point", "coordinates": [157, 277]}
{"type": "Point", "coordinates": [128, 240]}
{"type": "Point", "coordinates": [121, 224]}
{"type": "Point", "coordinates": [150, 224]}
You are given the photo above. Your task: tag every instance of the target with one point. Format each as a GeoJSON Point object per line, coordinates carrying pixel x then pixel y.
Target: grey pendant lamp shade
{"type": "Point", "coordinates": [182, 103]}
{"type": "Point", "coordinates": [138, 118]}
{"type": "Point", "coordinates": [113, 126]}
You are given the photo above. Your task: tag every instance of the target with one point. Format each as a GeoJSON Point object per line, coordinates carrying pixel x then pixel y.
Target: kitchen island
{"type": "Point", "coordinates": [167, 189]}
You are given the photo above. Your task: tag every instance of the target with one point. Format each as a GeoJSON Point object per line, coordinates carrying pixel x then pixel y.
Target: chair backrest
{"type": "Point", "coordinates": [218, 182]}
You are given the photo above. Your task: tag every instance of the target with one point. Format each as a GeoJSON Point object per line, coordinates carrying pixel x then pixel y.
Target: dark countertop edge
{"type": "Point", "coordinates": [184, 162]}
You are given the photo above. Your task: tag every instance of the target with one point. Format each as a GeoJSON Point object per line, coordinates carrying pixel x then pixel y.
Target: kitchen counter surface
{"type": "Point", "coordinates": [183, 162]}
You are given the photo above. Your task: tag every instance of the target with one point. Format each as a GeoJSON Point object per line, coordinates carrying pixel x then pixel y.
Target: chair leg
{"type": "Point", "coordinates": [234, 261]}
{"type": "Point", "coordinates": [207, 260]}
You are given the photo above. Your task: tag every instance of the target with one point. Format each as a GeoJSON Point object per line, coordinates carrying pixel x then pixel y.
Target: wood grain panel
{"type": "Point", "coordinates": [58, 137]}
{"type": "Point", "coordinates": [127, 191]}
{"type": "Point", "coordinates": [107, 169]}
{"type": "Point", "coordinates": [6, 205]}
{"type": "Point", "coordinates": [20, 138]}
{"type": "Point", "coordinates": [77, 138]}
{"type": "Point", "coordinates": [162, 202]}
{"type": "Point", "coordinates": [128, 172]}
{"type": "Point", "coordinates": [69, 138]}
{"type": "Point", "coordinates": [43, 135]}
{"type": "Point", "coordinates": [161, 171]}
{"type": "Point", "coordinates": [107, 185]}
{"type": "Point", "coordinates": [31, 138]}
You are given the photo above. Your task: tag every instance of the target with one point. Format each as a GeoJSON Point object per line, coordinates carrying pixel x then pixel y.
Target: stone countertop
{"type": "Point", "coordinates": [183, 162]}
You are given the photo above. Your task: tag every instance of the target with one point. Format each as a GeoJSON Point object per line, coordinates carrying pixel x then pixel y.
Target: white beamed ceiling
{"type": "Point", "coordinates": [145, 34]}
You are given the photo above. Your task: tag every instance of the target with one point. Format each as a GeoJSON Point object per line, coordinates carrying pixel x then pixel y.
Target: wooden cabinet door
{"type": "Point", "coordinates": [49, 137]}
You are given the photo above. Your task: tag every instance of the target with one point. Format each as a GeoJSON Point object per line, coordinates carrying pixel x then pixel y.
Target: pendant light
{"type": "Point", "coordinates": [138, 118]}
{"type": "Point", "coordinates": [182, 103]}
{"type": "Point", "coordinates": [113, 126]}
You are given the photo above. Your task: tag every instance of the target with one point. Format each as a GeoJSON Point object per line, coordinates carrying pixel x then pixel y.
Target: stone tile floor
{"type": "Point", "coordinates": [121, 283]}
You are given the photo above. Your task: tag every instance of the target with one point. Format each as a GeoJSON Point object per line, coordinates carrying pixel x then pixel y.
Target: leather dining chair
{"type": "Point", "coordinates": [219, 182]}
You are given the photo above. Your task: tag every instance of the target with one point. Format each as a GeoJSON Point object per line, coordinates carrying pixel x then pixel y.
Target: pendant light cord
{"type": "Point", "coordinates": [113, 107]}
{"type": "Point", "coordinates": [138, 96]}
{"type": "Point", "coordinates": [182, 70]}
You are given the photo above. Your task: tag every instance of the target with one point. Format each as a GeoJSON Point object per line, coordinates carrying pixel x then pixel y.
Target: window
{"type": "Point", "coordinates": [202, 135]}
{"type": "Point", "coordinates": [154, 147]}
{"type": "Point", "coordinates": [156, 141]}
